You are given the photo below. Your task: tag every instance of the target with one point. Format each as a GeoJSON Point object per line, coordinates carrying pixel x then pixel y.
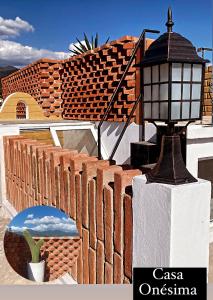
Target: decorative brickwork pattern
{"type": "Point", "coordinates": [94, 193]}
{"type": "Point", "coordinates": [60, 254]}
{"type": "Point", "coordinates": [90, 79]}
{"type": "Point", "coordinates": [208, 92]}
{"type": "Point", "coordinates": [41, 80]}
{"type": "Point", "coordinates": [81, 87]}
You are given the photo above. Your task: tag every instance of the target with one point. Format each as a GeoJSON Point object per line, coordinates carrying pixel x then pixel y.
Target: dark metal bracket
{"type": "Point", "coordinates": [140, 43]}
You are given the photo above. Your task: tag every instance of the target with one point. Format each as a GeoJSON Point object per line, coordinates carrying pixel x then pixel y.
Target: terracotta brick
{"type": "Point", "coordinates": [80, 267]}
{"type": "Point", "coordinates": [105, 175]}
{"type": "Point", "coordinates": [100, 262]}
{"type": "Point", "coordinates": [92, 266]}
{"type": "Point", "coordinates": [108, 224]}
{"type": "Point", "coordinates": [88, 168]}
{"type": "Point", "coordinates": [92, 214]}
{"type": "Point", "coordinates": [118, 269]}
{"type": "Point", "coordinates": [108, 273]}
{"type": "Point", "coordinates": [122, 180]}
{"type": "Point", "coordinates": [85, 255]}
{"type": "Point", "coordinates": [128, 234]}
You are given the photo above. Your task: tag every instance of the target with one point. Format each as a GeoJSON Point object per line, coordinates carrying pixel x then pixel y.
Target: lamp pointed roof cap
{"type": "Point", "coordinates": [169, 22]}
{"type": "Point", "coordinates": [171, 47]}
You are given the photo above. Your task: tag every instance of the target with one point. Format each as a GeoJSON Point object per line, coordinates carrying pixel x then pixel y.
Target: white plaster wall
{"type": "Point", "coordinates": [110, 132]}
{"type": "Point", "coordinates": [190, 224]}
{"type": "Point", "coordinates": [4, 130]}
{"type": "Point", "coordinates": [151, 224]}
{"type": "Point", "coordinates": [170, 224]}
{"type": "Point", "coordinates": [199, 145]}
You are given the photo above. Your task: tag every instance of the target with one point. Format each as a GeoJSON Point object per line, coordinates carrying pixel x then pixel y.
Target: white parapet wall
{"type": "Point", "coordinates": [170, 224]}
{"type": "Point", "coordinates": [199, 146]}
{"type": "Point", "coordinates": [110, 132]}
{"type": "Point", "coordinates": [4, 130]}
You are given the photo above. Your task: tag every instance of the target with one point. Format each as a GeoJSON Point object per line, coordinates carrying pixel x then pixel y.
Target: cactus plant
{"type": "Point", "coordinates": [34, 246]}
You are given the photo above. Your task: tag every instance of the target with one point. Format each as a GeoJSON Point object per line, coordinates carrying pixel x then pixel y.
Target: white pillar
{"type": "Point", "coordinates": [171, 224]}
{"type": "Point", "coordinates": [4, 130]}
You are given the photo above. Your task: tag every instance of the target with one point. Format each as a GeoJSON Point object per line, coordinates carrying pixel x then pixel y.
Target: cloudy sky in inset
{"type": "Point", "coordinates": [43, 219]}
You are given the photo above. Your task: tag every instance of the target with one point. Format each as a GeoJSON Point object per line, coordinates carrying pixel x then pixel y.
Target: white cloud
{"type": "Point", "coordinates": [30, 216]}
{"type": "Point", "coordinates": [17, 229]}
{"type": "Point", "coordinates": [48, 220]}
{"type": "Point", "coordinates": [49, 223]}
{"type": "Point", "coordinates": [71, 46]}
{"type": "Point", "coordinates": [59, 226]}
{"type": "Point", "coordinates": [16, 54]}
{"type": "Point", "coordinates": [11, 28]}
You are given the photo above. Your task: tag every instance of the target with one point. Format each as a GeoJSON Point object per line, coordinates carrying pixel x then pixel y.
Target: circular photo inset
{"type": "Point", "coordinates": [42, 243]}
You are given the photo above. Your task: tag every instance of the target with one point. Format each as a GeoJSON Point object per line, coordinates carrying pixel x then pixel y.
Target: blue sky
{"type": "Point", "coordinates": [55, 24]}
{"type": "Point", "coordinates": [43, 219]}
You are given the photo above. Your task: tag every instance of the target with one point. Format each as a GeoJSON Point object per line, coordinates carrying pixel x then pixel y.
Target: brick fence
{"type": "Point", "coordinates": [80, 87]}
{"type": "Point", "coordinates": [208, 93]}
{"type": "Point", "coordinates": [94, 193]}
{"type": "Point", "coordinates": [59, 253]}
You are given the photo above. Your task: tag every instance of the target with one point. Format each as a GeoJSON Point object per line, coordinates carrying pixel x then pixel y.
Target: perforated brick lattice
{"type": "Point", "coordinates": [208, 92]}
{"type": "Point", "coordinates": [60, 254]}
{"type": "Point", "coordinates": [80, 88]}
{"type": "Point", "coordinates": [41, 80]}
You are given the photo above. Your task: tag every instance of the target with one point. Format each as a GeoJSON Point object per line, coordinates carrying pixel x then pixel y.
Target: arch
{"type": "Point", "coordinates": [34, 110]}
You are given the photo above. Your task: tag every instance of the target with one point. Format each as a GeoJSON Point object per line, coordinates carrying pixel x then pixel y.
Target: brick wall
{"type": "Point", "coordinates": [90, 79]}
{"type": "Point", "coordinates": [80, 87]}
{"type": "Point", "coordinates": [208, 93]}
{"type": "Point", "coordinates": [94, 193]}
{"type": "Point", "coordinates": [60, 254]}
{"type": "Point", "coordinates": [41, 80]}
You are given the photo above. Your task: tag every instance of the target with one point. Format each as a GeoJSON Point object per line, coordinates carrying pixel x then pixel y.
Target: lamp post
{"type": "Point", "coordinates": [173, 76]}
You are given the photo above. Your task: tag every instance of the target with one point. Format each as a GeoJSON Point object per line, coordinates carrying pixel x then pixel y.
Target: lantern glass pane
{"type": "Point", "coordinates": [164, 70]}
{"type": "Point", "coordinates": [196, 90]}
{"type": "Point", "coordinates": [155, 73]}
{"type": "Point", "coordinates": [147, 75]}
{"type": "Point", "coordinates": [185, 110]}
{"type": "Point", "coordinates": [155, 110]}
{"type": "Point", "coordinates": [175, 110]}
{"type": "Point", "coordinates": [164, 91]}
{"type": "Point", "coordinates": [186, 91]}
{"type": "Point", "coordinates": [176, 91]}
{"type": "Point", "coordinates": [195, 109]}
{"type": "Point", "coordinates": [164, 110]}
{"type": "Point", "coordinates": [147, 93]}
{"type": "Point", "coordinates": [186, 72]}
{"type": "Point", "coordinates": [176, 72]}
{"type": "Point", "coordinates": [155, 92]}
{"type": "Point", "coordinates": [196, 72]}
{"type": "Point", "coordinates": [147, 110]}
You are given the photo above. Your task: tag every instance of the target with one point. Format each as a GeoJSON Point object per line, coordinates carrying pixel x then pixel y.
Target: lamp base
{"type": "Point", "coordinates": [170, 168]}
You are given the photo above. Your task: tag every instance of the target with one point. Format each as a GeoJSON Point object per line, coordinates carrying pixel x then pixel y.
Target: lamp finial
{"type": "Point", "coordinates": [169, 22]}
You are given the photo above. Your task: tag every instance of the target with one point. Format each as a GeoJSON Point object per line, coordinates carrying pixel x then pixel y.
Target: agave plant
{"type": "Point", "coordinates": [33, 245]}
{"type": "Point", "coordinates": [86, 44]}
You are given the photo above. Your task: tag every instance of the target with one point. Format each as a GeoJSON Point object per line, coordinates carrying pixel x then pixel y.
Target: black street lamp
{"type": "Point", "coordinates": [173, 76]}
